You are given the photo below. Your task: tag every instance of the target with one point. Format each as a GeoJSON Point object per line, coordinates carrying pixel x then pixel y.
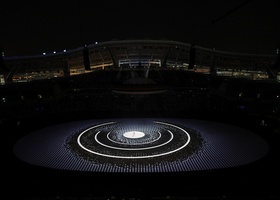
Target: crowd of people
{"type": "Point", "coordinates": [29, 106]}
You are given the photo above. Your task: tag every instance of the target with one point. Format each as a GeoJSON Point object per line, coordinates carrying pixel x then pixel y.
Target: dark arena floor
{"type": "Point", "coordinates": [141, 158]}
{"type": "Point", "coordinates": [180, 144]}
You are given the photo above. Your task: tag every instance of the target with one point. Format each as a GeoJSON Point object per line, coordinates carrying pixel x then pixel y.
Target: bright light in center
{"type": "Point", "coordinates": [134, 134]}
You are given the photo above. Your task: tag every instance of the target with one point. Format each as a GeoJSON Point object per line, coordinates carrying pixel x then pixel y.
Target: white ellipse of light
{"type": "Point", "coordinates": [132, 157]}
{"type": "Point", "coordinates": [134, 134]}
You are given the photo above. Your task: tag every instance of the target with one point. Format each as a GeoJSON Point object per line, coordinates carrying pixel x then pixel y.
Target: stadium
{"type": "Point", "coordinates": [141, 119]}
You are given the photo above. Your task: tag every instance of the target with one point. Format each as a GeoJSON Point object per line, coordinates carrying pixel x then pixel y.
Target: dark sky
{"type": "Point", "coordinates": [34, 27]}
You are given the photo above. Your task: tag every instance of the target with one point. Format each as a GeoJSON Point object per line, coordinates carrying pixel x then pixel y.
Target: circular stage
{"type": "Point", "coordinates": [141, 145]}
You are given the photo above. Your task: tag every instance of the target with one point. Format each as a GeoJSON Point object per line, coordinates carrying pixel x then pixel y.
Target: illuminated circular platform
{"type": "Point", "coordinates": [134, 134]}
{"type": "Point", "coordinates": [141, 145]}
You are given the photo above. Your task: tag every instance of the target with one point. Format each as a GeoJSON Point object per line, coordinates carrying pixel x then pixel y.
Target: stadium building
{"type": "Point", "coordinates": [142, 119]}
{"type": "Point", "coordinates": [129, 54]}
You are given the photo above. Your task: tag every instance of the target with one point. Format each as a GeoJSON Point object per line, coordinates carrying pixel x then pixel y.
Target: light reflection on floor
{"type": "Point", "coordinates": [141, 145]}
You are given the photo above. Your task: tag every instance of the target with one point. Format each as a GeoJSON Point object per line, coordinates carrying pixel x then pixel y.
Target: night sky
{"type": "Point", "coordinates": [244, 26]}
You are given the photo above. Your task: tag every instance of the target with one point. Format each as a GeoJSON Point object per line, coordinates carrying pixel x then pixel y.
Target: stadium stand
{"type": "Point", "coordinates": [141, 78]}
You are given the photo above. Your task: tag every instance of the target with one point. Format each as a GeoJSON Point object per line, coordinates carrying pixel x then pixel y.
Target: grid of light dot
{"type": "Point", "coordinates": [141, 145]}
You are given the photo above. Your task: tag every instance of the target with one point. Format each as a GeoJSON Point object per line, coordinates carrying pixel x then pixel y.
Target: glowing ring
{"type": "Point", "coordinates": [132, 149]}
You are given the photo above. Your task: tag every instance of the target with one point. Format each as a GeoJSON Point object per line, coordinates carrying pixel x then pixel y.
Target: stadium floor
{"type": "Point", "coordinates": [256, 180]}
